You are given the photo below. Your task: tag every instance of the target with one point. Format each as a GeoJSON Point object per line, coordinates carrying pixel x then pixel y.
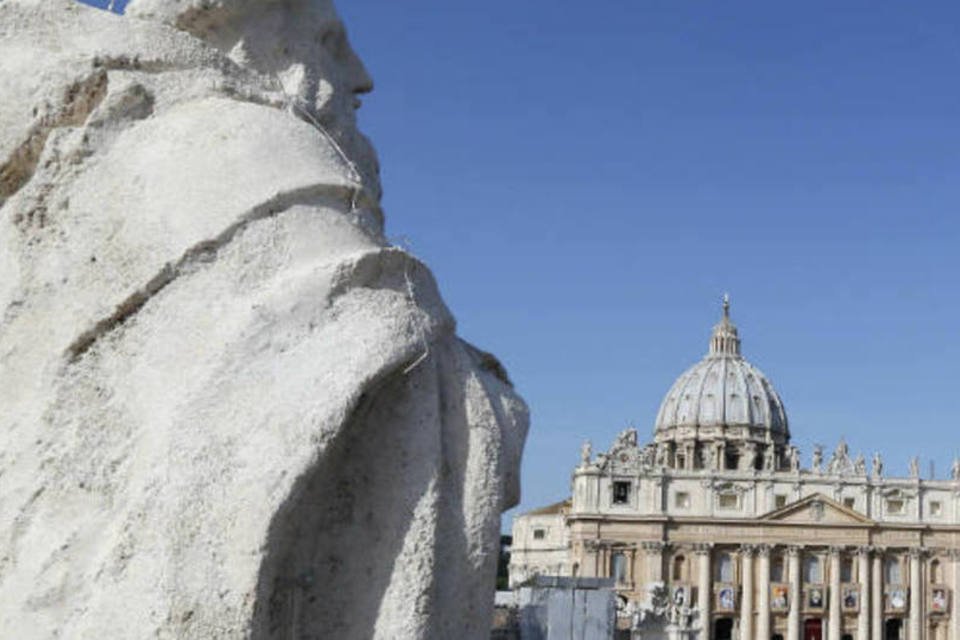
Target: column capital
{"type": "Point", "coordinates": [763, 550]}
{"type": "Point", "coordinates": [918, 552]}
{"type": "Point", "coordinates": [747, 550]}
{"type": "Point", "coordinates": [835, 550]}
{"type": "Point", "coordinates": [953, 554]}
{"type": "Point", "coordinates": [794, 550]}
{"type": "Point", "coordinates": [865, 550]}
{"type": "Point", "coordinates": [703, 548]}
{"type": "Point", "coordinates": [655, 546]}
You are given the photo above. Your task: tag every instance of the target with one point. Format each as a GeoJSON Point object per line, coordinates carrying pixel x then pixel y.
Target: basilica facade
{"type": "Point", "coordinates": [715, 529]}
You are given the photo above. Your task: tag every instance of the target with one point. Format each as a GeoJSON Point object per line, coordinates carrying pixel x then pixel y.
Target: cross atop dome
{"type": "Point", "coordinates": [725, 341]}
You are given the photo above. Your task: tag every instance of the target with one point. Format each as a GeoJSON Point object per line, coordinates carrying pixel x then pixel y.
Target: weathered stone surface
{"type": "Point", "coordinates": [228, 408]}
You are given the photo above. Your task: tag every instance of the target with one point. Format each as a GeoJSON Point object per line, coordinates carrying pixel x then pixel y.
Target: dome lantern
{"type": "Point", "coordinates": [725, 339]}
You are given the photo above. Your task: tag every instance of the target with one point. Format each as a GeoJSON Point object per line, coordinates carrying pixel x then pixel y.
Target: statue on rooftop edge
{"type": "Point", "coordinates": [817, 460]}
{"type": "Point", "coordinates": [914, 467]}
{"type": "Point", "coordinates": [230, 408]}
{"type": "Point", "coordinates": [586, 450]}
{"type": "Point", "coordinates": [860, 465]}
{"type": "Point", "coordinates": [794, 456]}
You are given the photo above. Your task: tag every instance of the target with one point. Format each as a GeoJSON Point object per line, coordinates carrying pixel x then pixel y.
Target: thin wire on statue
{"type": "Point", "coordinates": [294, 103]}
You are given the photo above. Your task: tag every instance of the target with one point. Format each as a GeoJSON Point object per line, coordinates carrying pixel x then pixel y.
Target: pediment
{"type": "Point", "coordinates": [817, 509]}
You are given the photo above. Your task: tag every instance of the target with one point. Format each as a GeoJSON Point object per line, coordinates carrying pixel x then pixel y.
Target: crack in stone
{"type": "Point", "coordinates": [201, 252]}
{"type": "Point", "coordinates": [80, 99]}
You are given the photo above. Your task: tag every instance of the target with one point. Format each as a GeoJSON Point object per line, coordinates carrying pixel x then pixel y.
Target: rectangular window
{"type": "Point", "coordinates": [618, 567]}
{"type": "Point", "coordinates": [812, 570]}
{"type": "Point", "coordinates": [846, 570]}
{"type": "Point", "coordinates": [539, 534]}
{"type": "Point", "coordinates": [621, 492]}
{"type": "Point", "coordinates": [936, 508]}
{"type": "Point", "coordinates": [728, 501]}
{"type": "Point", "coordinates": [681, 500]}
{"type": "Point", "coordinates": [776, 569]}
{"type": "Point", "coordinates": [849, 503]}
{"type": "Point", "coordinates": [779, 501]}
{"type": "Point", "coordinates": [894, 506]}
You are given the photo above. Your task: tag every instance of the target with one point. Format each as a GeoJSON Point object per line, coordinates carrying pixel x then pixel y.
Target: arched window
{"type": "Point", "coordinates": [724, 568]}
{"type": "Point", "coordinates": [618, 567]}
{"type": "Point", "coordinates": [936, 573]}
{"type": "Point", "coordinates": [678, 563]}
{"type": "Point", "coordinates": [891, 571]}
{"type": "Point", "coordinates": [811, 569]}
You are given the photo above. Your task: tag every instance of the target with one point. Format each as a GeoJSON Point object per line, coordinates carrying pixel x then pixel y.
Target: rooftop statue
{"type": "Point", "coordinates": [230, 409]}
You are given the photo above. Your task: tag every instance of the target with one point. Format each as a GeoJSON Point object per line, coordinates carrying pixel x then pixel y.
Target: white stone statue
{"type": "Point", "coordinates": [877, 465]}
{"type": "Point", "coordinates": [585, 452]}
{"type": "Point", "coordinates": [915, 467]}
{"type": "Point", "coordinates": [840, 460]}
{"type": "Point", "coordinates": [626, 439]}
{"type": "Point", "coordinates": [955, 469]}
{"type": "Point", "coordinates": [817, 461]}
{"type": "Point", "coordinates": [860, 465]}
{"type": "Point", "coordinates": [793, 458]}
{"type": "Point", "coordinates": [230, 409]}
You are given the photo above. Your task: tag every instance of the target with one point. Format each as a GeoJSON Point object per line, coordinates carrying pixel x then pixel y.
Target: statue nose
{"type": "Point", "coordinates": [360, 77]}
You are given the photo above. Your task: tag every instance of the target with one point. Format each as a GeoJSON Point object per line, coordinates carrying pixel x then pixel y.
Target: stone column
{"type": "Point", "coordinates": [916, 596]}
{"type": "Point", "coordinates": [660, 552]}
{"type": "Point", "coordinates": [954, 614]}
{"type": "Point", "coordinates": [763, 595]}
{"type": "Point", "coordinates": [835, 616]}
{"type": "Point", "coordinates": [863, 577]}
{"type": "Point", "coordinates": [590, 563]}
{"type": "Point", "coordinates": [876, 584]}
{"type": "Point", "coordinates": [793, 618]}
{"type": "Point", "coordinates": [746, 600]}
{"type": "Point", "coordinates": [653, 576]}
{"type": "Point", "coordinates": [704, 591]}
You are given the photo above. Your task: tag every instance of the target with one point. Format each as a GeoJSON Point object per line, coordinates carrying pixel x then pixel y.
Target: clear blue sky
{"type": "Point", "coordinates": [587, 179]}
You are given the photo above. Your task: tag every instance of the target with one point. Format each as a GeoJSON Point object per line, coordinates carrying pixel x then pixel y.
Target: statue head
{"type": "Point", "coordinates": [300, 44]}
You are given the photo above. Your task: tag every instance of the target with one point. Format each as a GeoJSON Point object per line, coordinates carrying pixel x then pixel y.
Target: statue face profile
{"type": "Point", "coordinates": [300, 45]}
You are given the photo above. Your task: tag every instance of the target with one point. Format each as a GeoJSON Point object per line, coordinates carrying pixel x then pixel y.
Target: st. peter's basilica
{"type": "Point", "coordinates": [716, 530]}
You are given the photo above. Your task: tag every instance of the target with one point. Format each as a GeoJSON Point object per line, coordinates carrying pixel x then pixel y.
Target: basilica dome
{"type": "Point", "coordinates": [723, 393]}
